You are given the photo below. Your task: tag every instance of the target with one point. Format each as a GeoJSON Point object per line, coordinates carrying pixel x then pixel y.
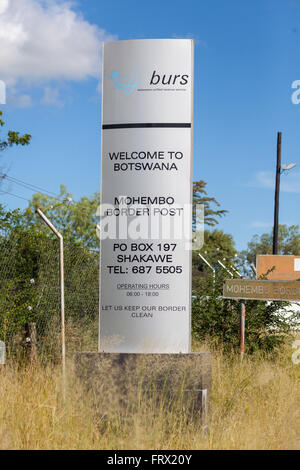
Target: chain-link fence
{"type": "Point", "coordinates": [30, 292]}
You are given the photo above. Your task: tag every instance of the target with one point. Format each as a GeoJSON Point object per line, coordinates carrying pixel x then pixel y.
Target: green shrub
{"type": "Point", "coordinates": [217, 320]}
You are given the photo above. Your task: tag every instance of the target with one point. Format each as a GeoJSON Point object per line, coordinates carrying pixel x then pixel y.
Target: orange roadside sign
{"type": "Point", "coordinates": [286, 267]}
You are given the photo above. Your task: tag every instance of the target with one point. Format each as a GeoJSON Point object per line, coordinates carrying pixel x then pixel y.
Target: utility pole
{"type": "Point", "coordinates": [277, 189]}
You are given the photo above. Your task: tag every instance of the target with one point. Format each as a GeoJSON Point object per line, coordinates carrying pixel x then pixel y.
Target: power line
{"type": "Point", "coordinates": [12, 194]}
{"type": "Point", "coordinates": [25, 185]}
{"type": "Point", "coordinates": [31, 187]}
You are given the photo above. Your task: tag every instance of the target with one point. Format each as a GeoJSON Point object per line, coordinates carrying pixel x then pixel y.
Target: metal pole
{"type": "Point", "coordinates": [277, 189]}
{"type": "Point", "coordinates": [62, 295]}
{"type": "Point", "coordinates": [252, 266]}
{"type": "Point", "coordinates": [242, 329]}
{"type": "Point", "coordinates": [62, 309]}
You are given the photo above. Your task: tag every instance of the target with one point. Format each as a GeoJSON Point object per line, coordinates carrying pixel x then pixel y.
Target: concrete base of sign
{"type": "Point", "coordinates": [182, 381]}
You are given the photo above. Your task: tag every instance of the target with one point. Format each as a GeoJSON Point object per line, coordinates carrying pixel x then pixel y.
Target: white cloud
{"type": "Point", "coordinates": [51, 97]}
{"type": "Point", "coordinates": [197, 40]}
{"type": "Point", "coordinates": [289, 181]}
{"type": "Point", "coordinates": [17, 99]}
{"type": "Point", "coordinates": [3, 5]}
{"type": "Point", "coordinates": [258, 224]}
{"type": "Point", "coordinates": [265, 179]}
{"type": "Point", "coordinates": [21, 101]}
{"type": "Point", "coordinates": [46, 40]}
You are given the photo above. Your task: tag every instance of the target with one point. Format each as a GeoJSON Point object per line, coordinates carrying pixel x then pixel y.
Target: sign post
{"type": "Point", "coordinates": [146, 196]}
{"type": "Point", "coordinates": [146, 228]}
{"type": "Point", "coordinates": [243, 289]}
{"type": "Point", "coordinates": [242, 329]}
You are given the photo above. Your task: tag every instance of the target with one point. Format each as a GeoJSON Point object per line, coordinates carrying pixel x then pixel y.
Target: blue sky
{"type": "Point", "coordinates": [246, 58]}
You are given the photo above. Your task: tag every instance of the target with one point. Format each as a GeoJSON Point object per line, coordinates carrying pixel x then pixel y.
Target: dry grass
{"type": "Point", "coordinates": [255, 405]}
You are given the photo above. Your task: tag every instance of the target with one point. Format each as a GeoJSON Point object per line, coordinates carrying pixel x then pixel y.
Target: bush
{"type": "Point", "coordinates": [217, 320]}
{"type": "Point", "coordinates": [30, 290]}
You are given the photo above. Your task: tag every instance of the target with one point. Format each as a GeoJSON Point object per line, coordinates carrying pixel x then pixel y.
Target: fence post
{"type": "Point", "coordinates": [30, 343]}
{"type": "Point", "coordinates": [62, 296]}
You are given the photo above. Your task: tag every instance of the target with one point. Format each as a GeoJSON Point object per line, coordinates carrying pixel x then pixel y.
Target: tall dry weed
{"type": "Point", "coordinates": [255, 405]}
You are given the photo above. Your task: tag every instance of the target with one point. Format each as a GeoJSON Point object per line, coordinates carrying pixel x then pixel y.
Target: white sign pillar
{"type": "Point", "coordinates": [146, 196]}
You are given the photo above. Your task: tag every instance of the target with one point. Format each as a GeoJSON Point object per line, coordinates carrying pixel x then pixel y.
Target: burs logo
{"type": "Point", "coordinates": [128, 83]}
{"type": "Point", "coordinates": [123, 83]}
{"type": "Point", "coordinates": [165, 79]}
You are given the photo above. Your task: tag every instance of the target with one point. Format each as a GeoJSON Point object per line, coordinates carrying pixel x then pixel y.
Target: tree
{"type": "Point", "coordinates": [288, 243]}
{"type": "Point", "coordinates": [13, 137]}
{"type": "Point", "coordinates": [76, 221]}
{"type": "Point", "coordinates": [200, 197]}
{"type": "Point", "coordinates": [20, 251]}
{"type": "Point", "coordinates": [217, 246]}
{"type": "Point", "coordinates": [9, 219]}
{"type": "Point", "coordinates": [29, 273]}
{"type": "Point", "coordinates": [217, 320]}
